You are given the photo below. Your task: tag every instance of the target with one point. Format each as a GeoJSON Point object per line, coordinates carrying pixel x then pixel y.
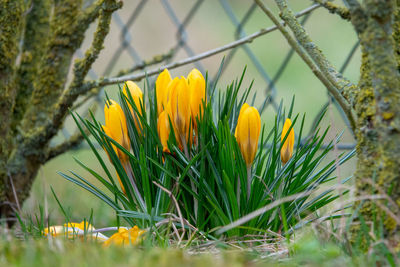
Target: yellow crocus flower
{"type": "Point", "coordinates": [180, 110]}
{"type": "Point", "coordinates": [197, 87]}
{"type": "Point", "coordinates": [162, 90]}
{"type": "Point", "coordinates": [137, 96]}
{"type": "Point", "coordinates": [125, 237]}
{"type": "Point", "coordinates": [116, 127]}
{"type": "Point", "coordinates": [247, 132]}
{"type": "Point", "coordinates": [287, 147]}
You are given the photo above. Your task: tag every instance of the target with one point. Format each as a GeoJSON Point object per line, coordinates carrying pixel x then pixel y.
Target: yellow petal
{"type": "Point", "coordinates": [287, 147]}
{"type": "Point", "coordinates": [125, 237]}
{"type": "Point", "coordinates": [116, 125]}
{"type": "Point", "coordinates": [162, 89]}
{"type": "Point", "coordinates": [242, 109]}
{"type": "Point", "coordinates": [197, 87]}
{"type": "Point", "coordinates": [180, 109]}
{"type": "Point", "coordinates": [137, 96]}
{"type": "Point", "coordinates": [163, 127]}
{"type": "Point", "coordinates": [247, 132]}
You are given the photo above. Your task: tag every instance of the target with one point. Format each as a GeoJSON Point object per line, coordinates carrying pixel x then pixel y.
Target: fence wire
{"type": "Point", "coordinates": [126, 47]}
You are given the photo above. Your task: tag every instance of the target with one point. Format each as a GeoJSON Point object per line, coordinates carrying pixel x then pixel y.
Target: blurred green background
{"type": "Point", "coordinates": [154, 33]}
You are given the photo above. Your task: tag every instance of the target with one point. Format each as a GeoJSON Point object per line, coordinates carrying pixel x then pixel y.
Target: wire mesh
{"type": "Point", "coordinates": [180, 20]}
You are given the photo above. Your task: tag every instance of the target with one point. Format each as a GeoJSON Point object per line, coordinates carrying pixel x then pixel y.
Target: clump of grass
{"type": "Point", "coordinates": [202, 182]}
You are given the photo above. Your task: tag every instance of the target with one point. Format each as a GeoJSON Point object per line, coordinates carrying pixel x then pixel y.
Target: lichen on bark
{"type": "Point", "coordinates": [34, 42]}
{"type": "Point", "coordinates": [53, 31]}
{"type": "Point", "coordinates": [63, 40]}
{"type": "Point", "coordinates": [378, 108]}
{"type": "Point", "coordinates": [11, 20]}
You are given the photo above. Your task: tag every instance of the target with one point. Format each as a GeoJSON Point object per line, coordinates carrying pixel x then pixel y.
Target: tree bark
{"type": "Point", "coordinates": [53, 31]}
{"type": "Point", "coordinates": [378, 110]}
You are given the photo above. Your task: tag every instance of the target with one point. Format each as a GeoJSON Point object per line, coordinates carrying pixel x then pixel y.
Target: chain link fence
{"type": "Point", "coordinates": [238, 14]}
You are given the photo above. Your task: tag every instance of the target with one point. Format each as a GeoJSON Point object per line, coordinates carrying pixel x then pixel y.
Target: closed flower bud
{"type": "Point", "coordinates": [163, 127]}
{"type": "Point", "coordinates": [197, 87]}
{"type": "Point", "coordinates": [116, 126]}
{"type": "Point", "coordinates": [162, 90]}
{"type": "Point", "coordinates": [247, 132]}
{"type": "Point", "coordinates": [137, 96]}
{"type": "Point", "coordinates": [287, 147]}
{"type": "Point", "coordinates": [180, 110]}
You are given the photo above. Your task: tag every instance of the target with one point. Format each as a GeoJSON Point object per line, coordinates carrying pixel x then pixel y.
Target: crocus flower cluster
{"type": "Point", "coordinates": [180, 105]}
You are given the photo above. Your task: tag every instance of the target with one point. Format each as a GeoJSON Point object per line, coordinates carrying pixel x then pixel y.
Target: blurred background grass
{"type": "Point", "coordinates": [154, 33]}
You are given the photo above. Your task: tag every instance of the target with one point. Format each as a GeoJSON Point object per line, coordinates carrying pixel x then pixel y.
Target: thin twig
{"type": "Point", "coordinates": [343, 12]}
{"type": "Point", "coordinates": [136, 77]}
{"type": "Point", "coordinates": [176, 205]}
{"type": "Point", "coordinates": [341, 83]}
{"type": "Point", "coordinates": [15, 193]}
{"type": "Point", "coordinates": [317, 72]}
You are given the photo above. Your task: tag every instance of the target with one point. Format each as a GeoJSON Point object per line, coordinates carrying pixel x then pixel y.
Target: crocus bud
{"type": "Point", "coordinates": [162, 90]}
{"type": "Point", "coordinates": [137, 96]}
{"type": "Point", "coordinates": [287, 147]}
{"type": "Point", "coordinates": [116, 127]}
{"type": "Point", "coordinates": [247, 132]}
{"type": "Point", "coordinates": [163, 127]}
{"type": "Point", "coordinates": [197, 87]}
{"type": "Point", "coordinates": [180, 109]}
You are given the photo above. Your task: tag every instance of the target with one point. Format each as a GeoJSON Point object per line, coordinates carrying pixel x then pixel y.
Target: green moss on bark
{"type": "Point", "coordinates": [11, 18]}
{"type": "Point", "coordinates": [378, 110]}
{"type": "Point", "coordinates": [66, 35]}
{"type": "Point", "coordinates": [36, 33]}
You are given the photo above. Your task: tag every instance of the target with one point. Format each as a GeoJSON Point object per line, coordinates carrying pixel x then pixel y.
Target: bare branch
{"type": "Point", "coordinates": [73, 142]}
{"type": "Point", "coordinates": [358, 16]}
{"type": "Point", "coordinates": [137, 77]}
{"type": "Point", "coordinates": [91, 13]}
{"type": "Point", "coordinates": [81, 68]}
{"type": "Point", "coordinates": [346, 87]}
{"type": "Point", "coordinates": [299, 50]}
{"type": "Point", "coordinates": [146, 63]}
{"type": "Point", "coordinates": [343, 12]}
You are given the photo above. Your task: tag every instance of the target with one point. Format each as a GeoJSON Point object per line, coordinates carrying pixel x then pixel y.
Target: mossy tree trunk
{"type": "Point", "coordinates": [34, 100]}
{"type": "Point", "coordinates": [377, 105]}
{"type": "Point", "coordinates": [373, 105]}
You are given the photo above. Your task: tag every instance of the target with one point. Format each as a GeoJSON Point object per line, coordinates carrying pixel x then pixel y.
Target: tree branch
{"type": "Point", "coordinates": [137, 77]}
{"type": "Point", "coordinates": [66, 35]}
{"type": "Point", "coordinates": [146, 63]}
{"type": "Point", "coordinates": [347, 88]}
{"type": "Point", "coordinates": [343, 12]}
{"type": "Point", "coordinates": [81, 68]}
{"type": "Point", "coordinates": [91, 13]}
{"type": "Point", "coordinates": [36, 31]}
{"type": "Point", "coordinates": [73, 142]}
{"type": "Point", "coordinates": [317, 72]}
